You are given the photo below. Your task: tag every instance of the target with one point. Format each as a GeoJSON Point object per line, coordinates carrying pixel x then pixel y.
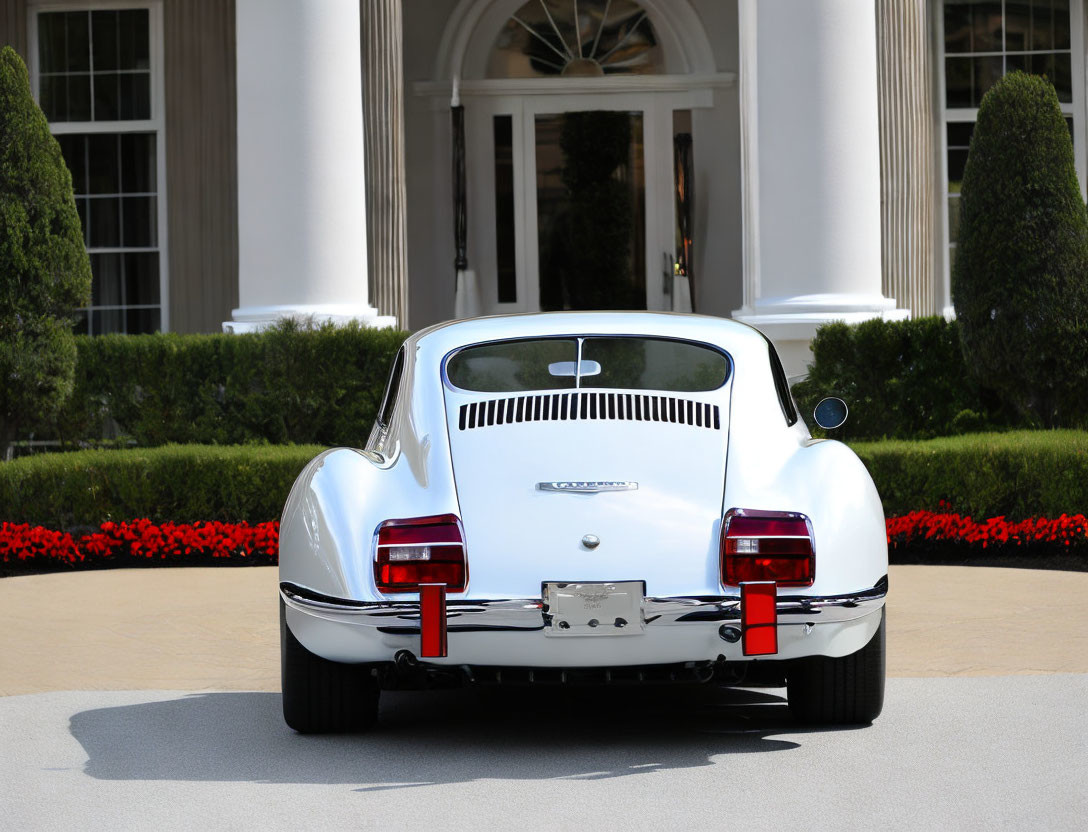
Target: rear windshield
{"type": "Point", "coordinates": [600, 362]}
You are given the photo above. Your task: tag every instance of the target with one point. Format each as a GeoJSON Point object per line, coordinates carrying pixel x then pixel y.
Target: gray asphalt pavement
{"type": "Point", "coordinates": [948, 753]}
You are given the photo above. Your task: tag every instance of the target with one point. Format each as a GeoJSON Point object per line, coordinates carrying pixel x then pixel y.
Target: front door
{"type": "Point", "coordinates": [570, 201]}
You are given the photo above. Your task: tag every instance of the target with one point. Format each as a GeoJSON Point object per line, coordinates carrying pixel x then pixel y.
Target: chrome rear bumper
{"type": "Point", "coordinates": [511, 631]}
{"type": "Point", "coordinates": [528, 613]}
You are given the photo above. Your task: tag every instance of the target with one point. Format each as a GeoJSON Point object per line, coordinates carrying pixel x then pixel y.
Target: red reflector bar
{"type": "Point", "coordinates": [759, 618]}
{"type": "Point", "coordinates": [432, 621]}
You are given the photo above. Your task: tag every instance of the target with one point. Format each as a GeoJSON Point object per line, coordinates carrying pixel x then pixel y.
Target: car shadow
{"type": "Point", "coordinates": [426, 738]}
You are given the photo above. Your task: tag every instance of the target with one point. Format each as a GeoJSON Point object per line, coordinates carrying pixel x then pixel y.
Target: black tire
{"type": "Point", "coordinates": [320, 696]}
{"type": "Point", "coordinates": [844, 691]}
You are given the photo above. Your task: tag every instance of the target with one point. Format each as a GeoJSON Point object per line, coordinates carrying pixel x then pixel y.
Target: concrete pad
{"type": "Point", "coordinates": [217, 628]}
{"type": "Point", "coordinates": [954, 753]}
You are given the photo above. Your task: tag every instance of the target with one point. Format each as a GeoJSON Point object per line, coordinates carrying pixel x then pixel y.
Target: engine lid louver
{"type": "Point", "coordinates": [557, 407]}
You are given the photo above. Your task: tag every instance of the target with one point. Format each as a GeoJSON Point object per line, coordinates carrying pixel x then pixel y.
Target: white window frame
{"type": "Point", "coordinates": [952, 115]}
{"type": "Point", "coordinates": [155, 124]}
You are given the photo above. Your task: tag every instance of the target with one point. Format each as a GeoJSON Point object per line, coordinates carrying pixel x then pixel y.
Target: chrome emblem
{"type": "Point", "coordinates": [591, 541]}
{"type": "Point", "coordinates": [588, 486]}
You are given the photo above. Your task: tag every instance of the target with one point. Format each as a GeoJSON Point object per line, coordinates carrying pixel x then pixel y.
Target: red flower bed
{"type": "Point", "coordinates": [928, 527]}
{"type": "Point", "coordinates": [137, 543]}
{"type": "Point", "coordinates": [143, 543]}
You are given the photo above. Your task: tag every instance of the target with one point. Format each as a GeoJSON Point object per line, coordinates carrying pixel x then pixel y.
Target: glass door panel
{"type": "Point", "coordinates": [591, 209]}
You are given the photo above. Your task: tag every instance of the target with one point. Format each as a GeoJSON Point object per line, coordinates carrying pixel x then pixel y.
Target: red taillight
{"type": "Point", "coordinates": [767, 546]}
{"type": "Point", "coordinates": [421, 550]}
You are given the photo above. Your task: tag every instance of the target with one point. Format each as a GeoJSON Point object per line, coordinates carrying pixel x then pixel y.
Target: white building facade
{"type": "Point", "coordinates": [783, 162]}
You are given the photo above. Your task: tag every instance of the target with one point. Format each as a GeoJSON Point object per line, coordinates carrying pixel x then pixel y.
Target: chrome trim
{"type": "Point", "coordinates": [528, 613]}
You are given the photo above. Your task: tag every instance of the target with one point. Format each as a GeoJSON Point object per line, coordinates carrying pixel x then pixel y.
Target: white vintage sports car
{"type": "Point", "coordinates": [584, 497]}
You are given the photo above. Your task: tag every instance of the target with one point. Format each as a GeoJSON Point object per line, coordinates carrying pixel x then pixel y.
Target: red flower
{"type": "Point", "coordinates": [142, 539]}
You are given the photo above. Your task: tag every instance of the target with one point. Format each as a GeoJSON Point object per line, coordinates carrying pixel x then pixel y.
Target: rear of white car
{"type": "Point", "coordinates": [575, 502]}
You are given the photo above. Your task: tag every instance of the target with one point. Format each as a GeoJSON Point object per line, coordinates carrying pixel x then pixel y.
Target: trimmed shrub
{"type": "Point", "coordinates": [44, 270]}
{"type": "Point", "coordinates": [179, 483]}
{"type": "Point", "coordinates": [1016, 475]}
{"type": "Point", "coordinates": [1020, 281]}
{"type": "Point", "coordinates": [288, 384]}
{"type": "Point", "coordinates": [902, 379]}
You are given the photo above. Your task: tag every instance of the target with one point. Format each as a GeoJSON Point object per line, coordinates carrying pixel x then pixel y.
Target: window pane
{"type": "Point", "coordinates": [107, 96]}
{"type": "Point", "coordinates": [957, 26]}
{"type": "Point", "coordinates": [79, 98]}
{"type": "Point", "coordinates": [504, 209]}
{"type": "Point", "coordinates": [78, 46]}
{"type": "Point", "coordinates": [986, 29]}
{"type": "Point", "coordinates": [1058, 69]}
{"type": "Point", "coordinates": [583, 38]}
{"type": "Point", "coordinates": [134, 40]}
{"type": "Point", "coordinates": [512, 366]}
{"type": "Point", "coordinates": [1060, 22]}
{"type": "Point", "coordinates": [106, 280]}
{"type": "Point", "coordinates": [1017, 25]}
{"type": "Point", "coordinates": [135, 95]}
{"type": "Point", "coordinates": [957, 161]}
{"type": "Point", "coordinates": [138, 163]}
{"type": "Point", "coordinates": [54, 97]}
{"type": "Point", "coordinates": [953, 218]}
{"type": "Point", "coordinates": [959, 133]}
{"type": "Point", "coordinates": [104, 175]}
{"type": "Point", "coordinates": [142, 278]}
{"type": "Point", "coordinates": [105, 223]}
{"type": "Point", "coordinates": [80, 326]}
{"type": "Point", "coordinates": [654, 364]}
{"type": "Point", "coordinates": [71, 147]}
{"type": "Point", "coordinates": [105, 321]}
{"type": "Point", "coordinates": [968, 79]}
{"type": "Point", "coordinates": [140, 224]}
{"type": "Point", "coordinates": [590, 198]}
{"type": "Point", "coordinates": [52, 37]}
{"type": "Point", "coordinates": [81, 209]}
{"type": "Point", "coordinates": [104, 30]}
{"type": "Point", "coordinates": [142, 321]}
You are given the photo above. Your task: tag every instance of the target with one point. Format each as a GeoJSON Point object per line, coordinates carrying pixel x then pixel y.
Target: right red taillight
{"type": "Point", "coordinates": [421, 550]}
{"type": "Point", "coordinates": [767, 546]}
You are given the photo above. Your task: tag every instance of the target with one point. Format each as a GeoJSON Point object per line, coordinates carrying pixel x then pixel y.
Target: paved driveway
{"type": "Point", "coordinates": [984, 725]}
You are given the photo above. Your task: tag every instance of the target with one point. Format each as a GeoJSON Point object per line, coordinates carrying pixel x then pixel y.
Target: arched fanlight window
{"type": "Point", "coordinates": [576, 38]}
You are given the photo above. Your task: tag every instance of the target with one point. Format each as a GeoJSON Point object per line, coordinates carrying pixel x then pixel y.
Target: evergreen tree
{"type": "Point", "coordinates": [1020, 281]}
{"type": "Point", "coordinates": [44, 270]}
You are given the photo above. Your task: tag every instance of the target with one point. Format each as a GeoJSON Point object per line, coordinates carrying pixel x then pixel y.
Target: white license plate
{"type": "Point", "coordinates": [600, 609]}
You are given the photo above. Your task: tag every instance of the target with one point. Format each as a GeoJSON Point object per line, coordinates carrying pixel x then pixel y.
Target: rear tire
{"type": "Point", "coordinates": [842, 691]}
{"type": "Point", "coordinates": [320, 696]}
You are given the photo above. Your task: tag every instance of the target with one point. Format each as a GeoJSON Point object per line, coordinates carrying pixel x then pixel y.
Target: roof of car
{"type": "Point", "coordinates": [719, 331]}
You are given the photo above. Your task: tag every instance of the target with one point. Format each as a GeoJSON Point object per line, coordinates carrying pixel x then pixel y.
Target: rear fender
{"type": "Point", "coordinates": [333, 512]}
{"type": "Point", "coordinates": [826, 481]}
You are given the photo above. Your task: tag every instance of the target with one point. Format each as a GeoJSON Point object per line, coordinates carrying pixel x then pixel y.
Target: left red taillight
{"type": "Point", "coordinates": [767, 546]}
{"type": "Point", "coordinates": [421, 550]}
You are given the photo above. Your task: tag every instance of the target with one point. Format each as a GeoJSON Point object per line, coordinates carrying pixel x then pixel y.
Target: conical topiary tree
{"type": "Point", "coordinates": [1020, 281]}
{"type": "Point", "coordinates": [44, 270]}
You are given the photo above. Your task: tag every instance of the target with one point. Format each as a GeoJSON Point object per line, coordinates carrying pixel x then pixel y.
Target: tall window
{"type": "Point", "coordinates": [983, 40]}
{"type": "Point", "coordinates": [97, 72]}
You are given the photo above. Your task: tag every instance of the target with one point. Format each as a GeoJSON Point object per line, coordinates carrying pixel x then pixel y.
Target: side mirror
{"type": "Point", "coordinates": [830, 413]}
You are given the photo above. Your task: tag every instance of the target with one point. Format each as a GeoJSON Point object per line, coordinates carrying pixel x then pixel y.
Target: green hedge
{"type": "Point", "coordinates": [288, 384]}
{"type": "Point", "coordinates": [182, 483]}
{"type": "Point", "coordinates": [1019, 474]}
{"type": "Point", "coordinates": [901, 379]}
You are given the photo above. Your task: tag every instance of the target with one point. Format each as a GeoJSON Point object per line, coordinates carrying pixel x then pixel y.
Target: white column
{"type": "Point", "coordinates": [301, 198]}
{"type": "Point", "coordinates": [811, 169]}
